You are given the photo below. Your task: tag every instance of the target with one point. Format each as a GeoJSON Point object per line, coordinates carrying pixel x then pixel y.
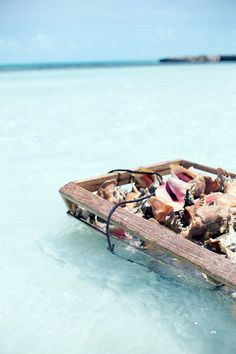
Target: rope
{"type": "Point", "coordinates": [151, 189]}
{"type": "Point", "coordinates": [113, 209]}
{"type": "Point", "coordinates": [139, 173]}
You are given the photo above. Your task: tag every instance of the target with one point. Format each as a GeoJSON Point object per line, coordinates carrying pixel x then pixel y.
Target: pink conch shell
{"type": "Point", "coordinates": [182, 173]}
{"type": "Point", "coordinates": [144, 180]}
{"type": "Point", "coordinates": [223, 199]}
{"type": "Point", "coordinates": [173, 192]}
{"type": "Point", "coordinates": [200, 184]}
{"type": "Point", "coordinates": [197, 181]}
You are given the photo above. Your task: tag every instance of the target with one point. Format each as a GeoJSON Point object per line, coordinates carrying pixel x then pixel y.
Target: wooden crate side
{"type": "Point", "coordinates": [92, 184]}
{"type": "Point", "coordinates": [214, 265]}
{"type": "Point", "coordinates": [200, 167]}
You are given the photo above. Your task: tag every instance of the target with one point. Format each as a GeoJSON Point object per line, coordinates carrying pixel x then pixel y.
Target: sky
{"type": "Point", "coordinates": [89, 30]}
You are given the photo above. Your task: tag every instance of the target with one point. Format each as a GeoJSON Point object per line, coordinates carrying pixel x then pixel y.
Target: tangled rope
{"type": "Point", "coordinates": [111, 246]}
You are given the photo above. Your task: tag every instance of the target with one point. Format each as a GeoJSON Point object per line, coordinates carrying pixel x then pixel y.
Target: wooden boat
{"type": "Point", "coordinates": [157, 238]}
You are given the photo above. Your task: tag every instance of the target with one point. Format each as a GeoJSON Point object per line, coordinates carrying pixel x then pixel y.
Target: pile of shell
{"type": "Point", "coordinates": [196, 206]}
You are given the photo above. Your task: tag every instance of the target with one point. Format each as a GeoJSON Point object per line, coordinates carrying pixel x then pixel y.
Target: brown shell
{"type": "Point", "coordinates": [160, 209]}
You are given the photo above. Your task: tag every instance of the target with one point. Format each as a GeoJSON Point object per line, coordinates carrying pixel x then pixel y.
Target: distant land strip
{"type": "Point", "coordinates": [199, 59]}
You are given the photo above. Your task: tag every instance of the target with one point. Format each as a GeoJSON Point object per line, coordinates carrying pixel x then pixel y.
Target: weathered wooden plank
{"type": "Point", "coordinates": [214, 265]}
{"type": "Point", "coordinates": [198, 166]}
{"type": "Point", "coordinates": [92, 184]}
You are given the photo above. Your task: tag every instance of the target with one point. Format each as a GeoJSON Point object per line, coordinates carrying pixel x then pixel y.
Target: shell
{"type": "Point", "coordinates": [134, 194]}
{"type": "Point", "coordinates": [160, 209]}
{"type": "Point", "coordinates": [230, 186]}
{"type": "Point", "coordinates": [144, 180]}
{"type": "Point", "coordinates": [207, 221]}
{"type": "Point", "coordinates": [182, 173]}
{"type": "Point", "coordinates": [172, 192]}
{"type": "Point", "coordinates": [109, 191]}
{"type": "Point", "coordinates": [227, 244]}
{"type": "Point", "coordinates": [200, 184]}
{"type": "Point", "coordinates": [228, 200]}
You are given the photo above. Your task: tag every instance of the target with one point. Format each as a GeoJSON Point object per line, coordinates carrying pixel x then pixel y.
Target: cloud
{"type": "Point", "coordinates": [41, 41]}
{"type": "Point", "coordinates": [8, 44]}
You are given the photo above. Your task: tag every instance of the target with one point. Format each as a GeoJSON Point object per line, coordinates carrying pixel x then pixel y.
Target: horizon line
{"type": "Point", "coordinates": [84, 63]}
{"type": "Point", "coordinates": [187, 59]}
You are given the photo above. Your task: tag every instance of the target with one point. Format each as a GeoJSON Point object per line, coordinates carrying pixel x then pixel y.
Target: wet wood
{"type": "Point", "coordinates": [212, 264]}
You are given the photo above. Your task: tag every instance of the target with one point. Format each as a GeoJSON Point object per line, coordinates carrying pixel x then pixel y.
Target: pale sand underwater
{"type": "Point", "coordinates": [61, 291]}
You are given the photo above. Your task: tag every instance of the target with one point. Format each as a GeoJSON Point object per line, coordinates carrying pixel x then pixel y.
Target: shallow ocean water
{"type": "Point", "coordinates": [61, 291]}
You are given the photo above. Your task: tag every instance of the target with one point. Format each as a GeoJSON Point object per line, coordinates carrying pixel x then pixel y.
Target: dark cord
{"type": "Point", "coordinates": [139, 173]}
{"type": "Point", "coordinates": [113, 209]}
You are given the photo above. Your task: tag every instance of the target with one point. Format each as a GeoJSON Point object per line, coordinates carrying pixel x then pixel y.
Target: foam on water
{"type": "Point", "coordinates": [61, 291]}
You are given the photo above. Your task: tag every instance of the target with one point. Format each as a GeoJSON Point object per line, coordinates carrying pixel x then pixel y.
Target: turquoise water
{"type": "Point", "coordinates": [61, 291]}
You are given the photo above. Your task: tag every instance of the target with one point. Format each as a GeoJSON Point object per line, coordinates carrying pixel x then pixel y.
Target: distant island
{"type": "Point", "coordinates": [199, 59]}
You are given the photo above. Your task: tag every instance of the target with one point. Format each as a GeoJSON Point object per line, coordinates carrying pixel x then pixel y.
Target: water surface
{"type": "Point", "coordinates": [61, 291]}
